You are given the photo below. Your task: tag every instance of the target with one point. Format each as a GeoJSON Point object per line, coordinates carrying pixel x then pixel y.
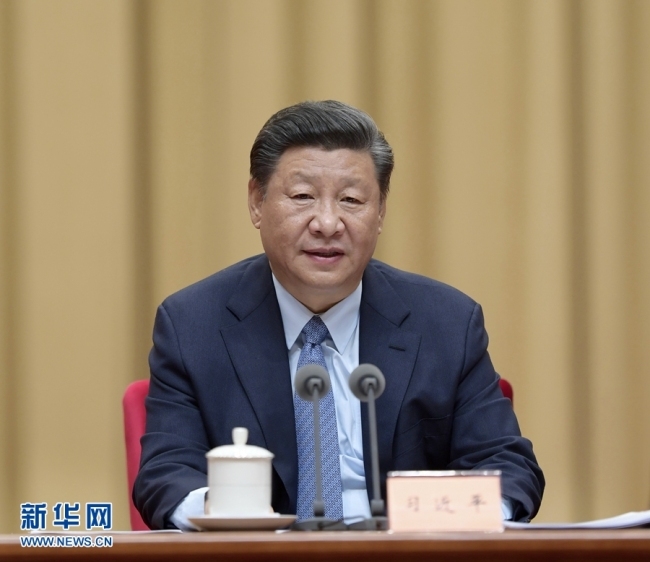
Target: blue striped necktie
{"type": "Point", "coordinates": [314, 334]}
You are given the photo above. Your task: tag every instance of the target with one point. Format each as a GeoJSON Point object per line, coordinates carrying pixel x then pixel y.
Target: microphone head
{"type": "Point", "coordinates": [310, 376]}
{"type": "Point", "coordinates": [364, 376]}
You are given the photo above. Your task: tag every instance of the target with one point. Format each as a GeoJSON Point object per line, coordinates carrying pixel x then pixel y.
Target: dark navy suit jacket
{"type": "Point", "coordinates": [220, 360]}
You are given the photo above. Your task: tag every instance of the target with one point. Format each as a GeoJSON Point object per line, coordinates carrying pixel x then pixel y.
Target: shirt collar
{"type": "Point", "coordinates": [341, 320]}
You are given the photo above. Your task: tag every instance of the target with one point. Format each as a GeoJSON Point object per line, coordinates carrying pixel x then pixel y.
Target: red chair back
{"type": "Point", "coordinates": [134, 426]}
{"type": "Point", "coordinates": [506, 388]}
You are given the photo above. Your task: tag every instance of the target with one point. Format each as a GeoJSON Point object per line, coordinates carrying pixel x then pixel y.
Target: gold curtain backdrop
{"type": "Point", "coordinates": [521, 130]}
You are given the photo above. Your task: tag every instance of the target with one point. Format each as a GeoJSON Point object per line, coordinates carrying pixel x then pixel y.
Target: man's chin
{"type": "Point", "coordinates": [321, 292]}
{"type": "Point", "coordinates": [332, 281]}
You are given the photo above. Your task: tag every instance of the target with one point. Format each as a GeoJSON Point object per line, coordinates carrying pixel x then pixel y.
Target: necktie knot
{"type": "Point", "coordinates": [315, 331]}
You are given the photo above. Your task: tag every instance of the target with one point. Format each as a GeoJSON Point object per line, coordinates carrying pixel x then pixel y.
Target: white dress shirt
{"type": "Point", "coordinates": [341, 352]}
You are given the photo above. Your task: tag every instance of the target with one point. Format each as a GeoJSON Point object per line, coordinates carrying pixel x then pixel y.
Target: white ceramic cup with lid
{"type": "Point", "coordinates": [239, 479]}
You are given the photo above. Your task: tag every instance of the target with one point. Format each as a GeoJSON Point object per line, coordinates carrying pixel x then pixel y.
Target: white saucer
{"type": "Point", "coordinates": [259, 523]}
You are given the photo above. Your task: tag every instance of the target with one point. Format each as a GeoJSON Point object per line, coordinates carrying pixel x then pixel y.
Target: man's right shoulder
{"type": "Point", "coordinates": [216, 290]}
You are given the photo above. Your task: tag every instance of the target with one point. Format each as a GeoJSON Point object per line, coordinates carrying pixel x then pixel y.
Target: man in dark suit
{"type": "Point", "coordinates": [226, 349]}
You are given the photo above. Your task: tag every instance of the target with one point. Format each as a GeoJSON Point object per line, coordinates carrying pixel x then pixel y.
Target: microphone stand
{"type": "Point", "coordinates": [367, 382]}
{"type": "Point", "coordinates": [311, 381]}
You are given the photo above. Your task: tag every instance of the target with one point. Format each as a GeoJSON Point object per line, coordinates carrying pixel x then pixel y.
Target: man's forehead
{"type": "Point", "coordinates": [312, 163]}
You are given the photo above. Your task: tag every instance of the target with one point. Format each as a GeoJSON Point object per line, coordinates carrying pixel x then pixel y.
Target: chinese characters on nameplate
{"type": "Point", "coordinates": [444, 501]}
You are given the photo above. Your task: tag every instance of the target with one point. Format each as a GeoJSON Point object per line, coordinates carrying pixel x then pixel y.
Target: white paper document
{"type": "Point", "coordinates": [624, 521]}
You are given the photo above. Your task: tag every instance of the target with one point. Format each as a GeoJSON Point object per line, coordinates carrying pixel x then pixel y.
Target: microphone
{"type": "Point", "coordinates": [367, 383]}
{"type": "Point", "coordinates": [312, 382]}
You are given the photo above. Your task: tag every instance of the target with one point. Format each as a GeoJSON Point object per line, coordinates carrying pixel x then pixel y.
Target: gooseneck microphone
{"type": "Point", "coordinates": [367, 383]}
{"type": "Point", "coordinates": [312, 383]}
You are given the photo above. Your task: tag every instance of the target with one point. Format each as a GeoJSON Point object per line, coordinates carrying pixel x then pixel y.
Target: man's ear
{"type": "Point", "coordinates": [255, 200]}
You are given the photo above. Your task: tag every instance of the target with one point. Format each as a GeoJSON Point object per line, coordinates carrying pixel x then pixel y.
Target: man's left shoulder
{"type": "Point", "coordinates": [419, 288]}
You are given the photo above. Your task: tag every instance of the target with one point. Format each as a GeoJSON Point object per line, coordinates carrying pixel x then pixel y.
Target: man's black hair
{"type": "Point", "coordinates": [329, 125]}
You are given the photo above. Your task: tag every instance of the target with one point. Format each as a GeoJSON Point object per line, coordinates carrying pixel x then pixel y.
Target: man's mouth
{"type": "Point", "coordinates": [324, 253]}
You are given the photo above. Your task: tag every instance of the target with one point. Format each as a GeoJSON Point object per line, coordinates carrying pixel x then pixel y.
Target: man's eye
{"type": "Point", "coordinates": [350, 200]}
{"type": "Point", "coordinates": [302, 196]}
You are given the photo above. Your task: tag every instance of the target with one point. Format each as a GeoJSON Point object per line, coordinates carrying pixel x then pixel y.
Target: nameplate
{"type": "Point", "coordinates": [431, 501]}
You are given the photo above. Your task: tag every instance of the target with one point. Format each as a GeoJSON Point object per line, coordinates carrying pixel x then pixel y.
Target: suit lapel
{"type": "Point", "coordinates": [257, 349]}
{"type": "Point", "coordinates": [385, 343]}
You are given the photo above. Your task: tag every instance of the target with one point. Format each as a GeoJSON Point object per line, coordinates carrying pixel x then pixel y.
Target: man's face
{"type": "Point", "coordinates": [319, 222]}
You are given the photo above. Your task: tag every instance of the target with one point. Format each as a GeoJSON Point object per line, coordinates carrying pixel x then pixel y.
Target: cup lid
{"type": "Point", "coordinates": [239, 449]}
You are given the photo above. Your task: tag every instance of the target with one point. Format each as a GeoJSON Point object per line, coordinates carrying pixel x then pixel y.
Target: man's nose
{"type": "Point", "coordinates": [327, 220]}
